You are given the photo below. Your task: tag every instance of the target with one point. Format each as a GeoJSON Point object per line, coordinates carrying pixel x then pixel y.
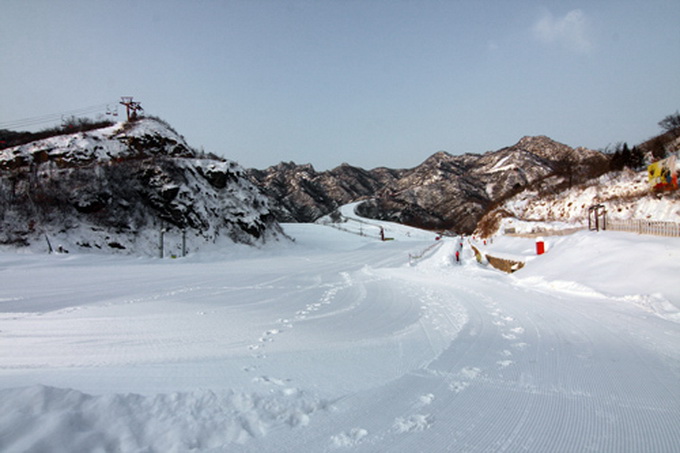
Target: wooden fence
{"type": "Point", "coordinates": [536, 232]}
{"type": "Point", "coordinates": [657, 227]}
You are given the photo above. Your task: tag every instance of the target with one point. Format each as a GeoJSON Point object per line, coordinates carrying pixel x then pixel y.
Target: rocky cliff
{"type": "Point", "coordinates": [120, 187]}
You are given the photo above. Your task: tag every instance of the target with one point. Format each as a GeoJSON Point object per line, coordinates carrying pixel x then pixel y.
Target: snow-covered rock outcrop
{"type": "Point", "coordinates": [121, 188]}
{"type": "Point", "coordinates": [626, 195]}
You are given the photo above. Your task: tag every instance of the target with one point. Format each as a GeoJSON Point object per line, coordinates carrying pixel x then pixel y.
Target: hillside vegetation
{"type": "Point", "coordinates": [624, 191]}
{"type": "Point", "coordinates": [9, 138]}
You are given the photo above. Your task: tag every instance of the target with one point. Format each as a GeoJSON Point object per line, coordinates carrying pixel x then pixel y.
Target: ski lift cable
{"type": "Point", "coordinates": [81, 110]}
{"type": "Point", "coordinates": [52, 117]}
{"type": "Point", "coordinates": [41, 120]}
{"type": "Point", "coordinates": [30, 121]}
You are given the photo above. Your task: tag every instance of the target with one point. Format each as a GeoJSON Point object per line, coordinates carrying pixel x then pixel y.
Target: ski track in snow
{"type": "Point", "coordinates": [537, 411]}
{"type": "Point", "coordinates": [365, 350]}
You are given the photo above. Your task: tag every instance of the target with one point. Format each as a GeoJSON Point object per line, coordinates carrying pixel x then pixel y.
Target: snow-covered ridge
{"type": "Point", "coordinates": [143, 137]}
{"type": "Point", "coordinates": [119, 188]}
{"type": "Point", "coordinates": [625, 194]}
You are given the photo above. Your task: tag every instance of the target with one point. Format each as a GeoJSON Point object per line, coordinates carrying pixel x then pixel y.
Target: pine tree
{"type": "Point", "coordinates": [626, 156]}
{"type": "Point", "coordinates": [615, 163]}
{"type": "Point", "coordinates": [637, 158]}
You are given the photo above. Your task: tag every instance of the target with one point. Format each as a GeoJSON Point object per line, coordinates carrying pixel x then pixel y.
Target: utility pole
{"type": "Point", "coordinates": [131, 107]}
{"type": "Point", "coordinates": [160, 242]}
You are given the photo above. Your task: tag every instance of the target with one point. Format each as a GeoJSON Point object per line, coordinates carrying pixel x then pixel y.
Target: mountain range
{"type": "Point", "coordinates": [120, 187]}
{"type": "Point", "coordinates": [445, 192]}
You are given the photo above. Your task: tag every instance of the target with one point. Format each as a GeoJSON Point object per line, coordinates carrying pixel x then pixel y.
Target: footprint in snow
{"type": "Point", "coordinates": [301, 314]}
{"type": "Point", "coordinates": [349, 438]}
{"type": "Point", "coordinates": [464, 378]}
{"type": "Point", "coordinates": [271, 380]}
{"type": "Point", "coordinates": [267, 336]}
{"type": "Point", "coordinates": [284, 322]}
{"type": "Point", "coordinates": [470, 372]}
{"type": "Point", "coordinates": [426, 400]}
{"type": "Point", "coordinates": [414, 423]}
{"type": "Point", "coordinates": [458, 386]}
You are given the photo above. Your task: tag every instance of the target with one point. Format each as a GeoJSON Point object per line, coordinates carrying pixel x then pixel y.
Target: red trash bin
{"type": "Point", "coordinates": [540, 246]}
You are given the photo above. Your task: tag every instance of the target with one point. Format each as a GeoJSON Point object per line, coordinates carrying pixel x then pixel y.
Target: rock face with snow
{"type": "Point", "coordinates": [301, 194]}
{"type": "Point", "coordinates": [117, 188]}
{"type": "Point", "coordinates": [444, 192]}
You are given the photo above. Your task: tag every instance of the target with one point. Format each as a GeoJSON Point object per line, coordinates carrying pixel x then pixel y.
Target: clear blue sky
{"type": "Point", "coordinates": [371, 83]}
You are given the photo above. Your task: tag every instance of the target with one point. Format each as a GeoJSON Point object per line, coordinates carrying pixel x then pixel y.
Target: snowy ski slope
{"type": "Point", "coordinates": [340, 342]}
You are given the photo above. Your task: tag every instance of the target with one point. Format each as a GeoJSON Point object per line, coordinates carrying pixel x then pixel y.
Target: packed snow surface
{"type": "Point", "coordinates": [340, 342]}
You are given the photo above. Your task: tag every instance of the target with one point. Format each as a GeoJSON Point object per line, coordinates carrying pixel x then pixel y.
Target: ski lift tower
{"type": "Point", "coordinates": [131, 107]}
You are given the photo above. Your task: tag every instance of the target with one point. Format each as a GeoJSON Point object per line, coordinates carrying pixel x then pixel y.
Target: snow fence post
{"type": "Point", "coordinates": [49, 245]}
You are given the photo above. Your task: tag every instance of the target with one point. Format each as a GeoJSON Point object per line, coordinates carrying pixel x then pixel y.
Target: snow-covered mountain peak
{"type": "Point", "coordinates": [436, 158]}
{"type": "Point", "coordinates": [542, 146]}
